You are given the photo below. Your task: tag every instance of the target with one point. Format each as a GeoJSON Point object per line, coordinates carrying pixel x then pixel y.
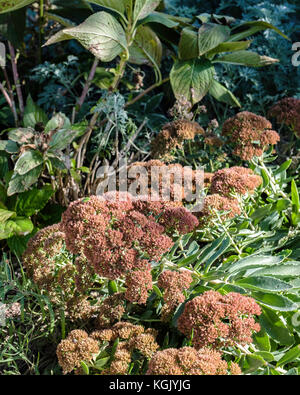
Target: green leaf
{"type": "Point", "coordinates": [12, 5]}
{"type": "Point", "coordinates": [15, 226]}
{"type": "Point", "coordinates": [188, 44]}
{"type": "Point", "coordinates": [33, 201]}
{"type": "Point", "coordinates": [229, 47]}
{"type": "Point", "coordinates": [59, 121]}
{"type": "Point", "coordinates": [220, 93]}
{"type": "Point", "coordinates": [114, 5]}
{"type": "Point", "coordinates": [290, 356]}
{"type": "Point", "coordinates": [21, 183]}
{"type": "Point", "coordinates": [286, 270]}
{"type": "Point", "coordinates": [62, 138]}
{"type": "Point", "coordinates": [254, 261]}
{"type": "Point", "coordinates": [285, 165]}
{"type": "Point", "coordinates": [252, 363]}
{"type": "Point", "coordinates": [28, 161]}
{"type": "Point", "coordinates": [21, 135]}
{"type": "Point", "coordinates": [275, 301]}
{"type": "Point", "coordinates": [142, 8]}
{"type": "Point", "coordinates": [250, 28]}
{"type": "Point", "coordinates": [5, 214]}
{"type": "Point", "coordinates": [33, 114]}
{"type": "Point", "coordinates": [161, 18]}
{"type": "Point", "coordinates": [18, 244]}
{"type": "Point", "coordinates": [246, 58]}
{"type": "Point", "coordinates": [261, 283]}
{"type": "Point", "coordinates": [146, 48]}
{"type": "Point", "coordinates": [295, 197]}
{"type": "Point", "coordinates": [262, 341]}
{"type": "Point", "coordinates": [210, 35]}
{"type": "Point", "coordinates": [275, 328]}
{"type": "Point", "coordinates": [85, 368]}
{"type": "Point", "coordinates": [101, 34]}
{"type": "Point", "coordinates": [100, 363]}
{"type": "Point", "coordinates": [191, 79]}
{"type": "Point", "coordinates": [8, 146]}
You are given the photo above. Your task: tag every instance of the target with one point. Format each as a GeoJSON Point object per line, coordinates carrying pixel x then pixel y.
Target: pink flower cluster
{"type": "Point", "coordinates": [219, 320]}
{"type": "Point", "coordinates": [287, 111]}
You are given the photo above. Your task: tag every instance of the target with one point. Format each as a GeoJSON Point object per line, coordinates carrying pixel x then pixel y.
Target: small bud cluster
{"type": "Point", "coordinates": [219, 320]}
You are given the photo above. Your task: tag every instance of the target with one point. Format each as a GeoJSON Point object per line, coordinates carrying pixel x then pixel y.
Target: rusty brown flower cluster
{"type": "Point", "coordinates": [250, 133]}
{"type": "Point", "coordinates": [217, 320]}
{"type": "Point", "coordinates": [77, 347]}
{"type": "Point", "coordinates": [287, 112]}
{"type": "Point", "coordinates": [118, 239]}
{"type": "Point", "coordinates": [227, 208]}
{"type": "Point", "coordinates": [172, 136]}
{"type": "Point", "coordinates": [236, 179]}
{"type": "Point", "coordinates": [189, 361]}
{"type": "Point", "coordinates": [173, 283]}
{"type": "Point", "coordinates": [131, 338]}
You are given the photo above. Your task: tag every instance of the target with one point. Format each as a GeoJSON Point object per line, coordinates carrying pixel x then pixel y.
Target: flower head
{"type": "Point", "coordinates": [287, 111]}
{"type": "Point", "coordinates": [219, 320]}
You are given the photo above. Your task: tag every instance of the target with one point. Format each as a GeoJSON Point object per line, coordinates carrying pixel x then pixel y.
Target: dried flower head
{"type": "Point", "coordinates": [111, 310]}
{"type": "Point", "coordinates": [250, 133]}
{"type": "Point", "coordinates": [219, 320]}
{"type": "Point", "coordinates": [287, 111]}
{"type": "Point", "coordinates": [189, 361]}
{"type": "Point", "coordinates": [234, 179]}
{"type": "Point", "coordinates": [172, 136]}
{"type": "Point", "coordinates": [77, 347]}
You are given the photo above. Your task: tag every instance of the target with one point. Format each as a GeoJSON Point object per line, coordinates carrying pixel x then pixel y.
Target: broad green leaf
{"type": "Point", "coordinates": [188, 44]}
{"type": "Point", "coordinates": [62, 138]}
{"type": "Point", "coordinates": [250, 28]}
{"type": "Point", "coordinates": [146, 48]}
{"type": "Point", "coordinates": [208, 252]}
{"type": "Point", "coordinates": [210, 35]}
{"type": "Point", "coordinates": [85, 368]}
{"type": "Point", "coordinates": [101, 34]}
{"type": "Point", "coordinates": [8, 146]}
{"type": "Point", "coordinates": [114, 5]}
{"type": "Point", "coordinates": [252, 363]}
{"type": "Point", "coordinates": [261, 283]}
{"type": "Point", "coordinates": [5, 214]}
{"type": "Point", "coordinates": [12, 5]}
{"type": "Point", "coordinates": [33, 201]}
{"type": "Point", "coordinates": [286, 270]}
{"type": "Point", "coordinates": [21, 183]}
{"type": "Point", "coordinates": [220, 93]}
{"type": "Point", "coordinates": [142, 8]}
{"type": "Point", "coordinates": [275, 328]}
{"type": "Point", "coordinates": [58, 121]}
{"type": "Point", "coordinates": [246, 58]}
{"type": "Point", "coordinates": [191, 79]}
{"type": "Point", "coordinates": [275, 301]}
{"type": "Point", "coordinates": [161, 18]}
{"type": "Point", "coordinates": [21, 135]}
{"type": "Point", "coordinates": [295, 197]}
{"type": "Point", "coordinates": [33, 114]}
{"type": "Point", "coordinates": [262, 341]}
{"type": "Point", "coordinates": [28, 161]}
{"type": "Point", "coordinates": [229, 47]}
{"type": "Point", "coordinates": [16, 226]}
{"type": "Point", "coordinates": [285, 165]}
{"type": "Point", "coordinates": [290, 356]}
{"type": "Point", "coordinates": [100, 363]}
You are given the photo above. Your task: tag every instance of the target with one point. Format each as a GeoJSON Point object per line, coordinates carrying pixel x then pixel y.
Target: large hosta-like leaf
{"type": "Point", "coordinates": [101, 34]}
{"type": "Point", "coordinates": [210, 35]}
{"type": "Point", "coordinates": [143, 8]}
{"type": "Point", "coordinates": [191, 79]}
{"type": "Point", "coordinates": [219, 92]}
{"type": "Point", "coordinates": [114, 5]}
{"type": "Point", "coordinates": [188, 44]}
{"type": "Point", "coordinates": [146, 48]}
{"type": "Point", "coordinates": [12, 5]}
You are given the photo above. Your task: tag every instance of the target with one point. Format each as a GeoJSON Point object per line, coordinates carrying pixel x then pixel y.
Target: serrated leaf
{"type": "Point", "coordinates": [220, 93]}
{"type": "Point", "coordinates": [101, 34]}
{"type": "Point", "coordinates": [246, 58]}
{"type": "Point", "coordinates": [191, 79]}
{"type": "Point", "coordinates": [211, 35]}
{"type": "Point", "coordinates": [261, 283]}
{"type": "Point", "coordinates": [142, 8]}
{"type": "Point", "coordinates": [146, 48]}
{"type": "Point", "coordinates": [28, 161]}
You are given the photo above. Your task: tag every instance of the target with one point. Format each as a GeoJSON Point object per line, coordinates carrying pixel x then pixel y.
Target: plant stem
{"type": "Point", "coordinates": [139, 96]}
{"type": "Point", "coordinates": [119, 72]}
{"type": "Point", "coordinates": [11, 95]}
{"type": "Point", "coordinates": [16, 78]}
{"type": "Point", "coordinates": [9, 102]}
{"type": "Point", "coordinates": [85, 89]}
